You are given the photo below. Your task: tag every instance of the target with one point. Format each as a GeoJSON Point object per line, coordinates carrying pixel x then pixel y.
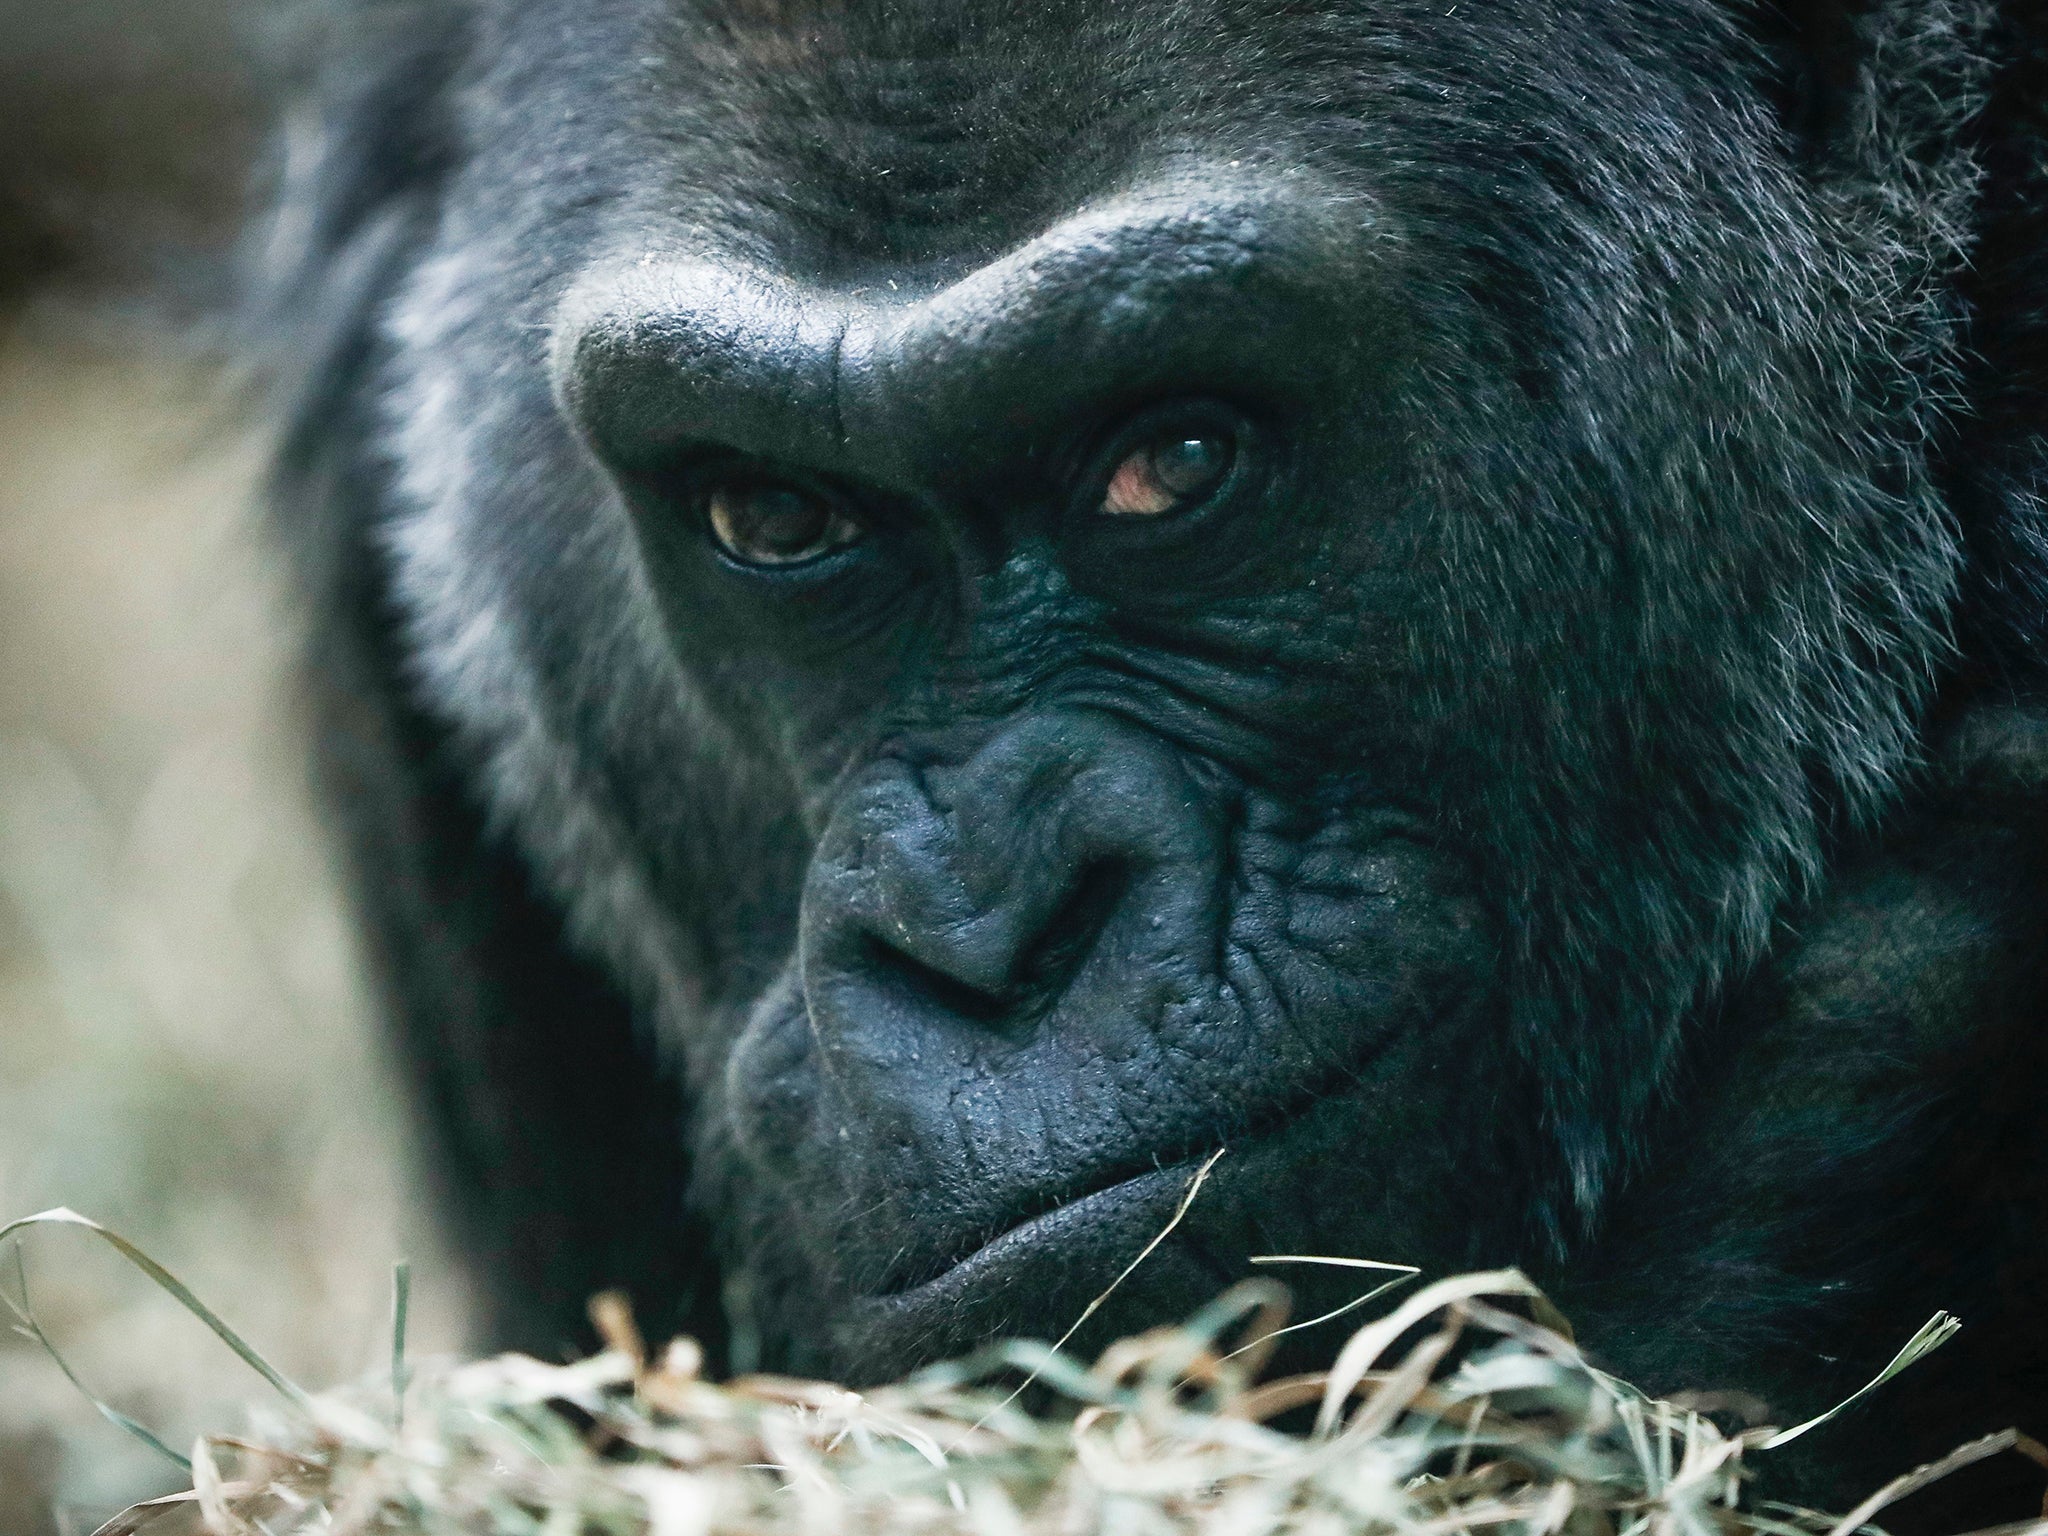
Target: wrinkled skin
{"type": "Point", "coordinates": [1559, 783]}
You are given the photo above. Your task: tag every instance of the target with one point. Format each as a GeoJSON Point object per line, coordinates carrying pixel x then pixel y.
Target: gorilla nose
{"type": "Point", "coordinates": [979, 891]}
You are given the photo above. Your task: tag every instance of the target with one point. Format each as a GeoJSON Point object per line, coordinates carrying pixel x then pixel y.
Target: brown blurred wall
{"type": "Point", "coordinates": [184, 1046]}
{"type": "Point", "coordinates": [127, 130]}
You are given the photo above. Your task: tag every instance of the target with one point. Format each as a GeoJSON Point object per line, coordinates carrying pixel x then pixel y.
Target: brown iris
{"type": "Point", "coordinates": [769, 523]}
{"type": "Point", "coordinates": [1173, 471]}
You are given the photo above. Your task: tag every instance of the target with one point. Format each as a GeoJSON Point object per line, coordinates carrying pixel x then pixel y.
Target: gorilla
{"type": "Point", "coordinates": [923, 612]}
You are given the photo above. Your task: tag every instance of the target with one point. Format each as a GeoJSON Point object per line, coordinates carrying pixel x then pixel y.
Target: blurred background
{"type": "Point", "coordinates": [185, 1052]}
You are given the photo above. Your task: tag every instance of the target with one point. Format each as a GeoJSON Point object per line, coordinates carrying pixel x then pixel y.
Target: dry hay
{"type": "Point", "coordinates": [1466, 1409]}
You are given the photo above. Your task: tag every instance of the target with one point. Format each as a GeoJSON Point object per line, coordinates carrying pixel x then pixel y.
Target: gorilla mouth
{"type": "Point", "coordinates": [1150, 1180]}
{"type": "Point", "coordinates": [964, 1267]}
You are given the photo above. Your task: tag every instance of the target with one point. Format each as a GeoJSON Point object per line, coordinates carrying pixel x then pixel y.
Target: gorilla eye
{"type": "Point", "coordinates": [767, 523]}
{"type": "Point", "coordinates": [1173, 471]}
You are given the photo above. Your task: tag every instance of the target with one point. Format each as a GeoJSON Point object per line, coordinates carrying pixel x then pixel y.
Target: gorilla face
{"type": "Point", "coordinates": [1066, 586]}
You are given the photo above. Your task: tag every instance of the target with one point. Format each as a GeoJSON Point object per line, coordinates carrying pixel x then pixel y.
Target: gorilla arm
{"type": "Point", "coordinates": [1866, 1147]}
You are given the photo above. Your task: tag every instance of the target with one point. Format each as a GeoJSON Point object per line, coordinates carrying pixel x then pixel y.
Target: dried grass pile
{"type": "Point", "coordinates": [1466, 1409]}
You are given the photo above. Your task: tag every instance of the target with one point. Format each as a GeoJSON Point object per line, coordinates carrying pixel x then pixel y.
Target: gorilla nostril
{"type": "Point", "coordinates": [1056, 953]}
{"type": "Point", "coordinates": [994, 890]}
{"type": "Point", "coordinates": [1038, 971]}
{"type": "Point", "coordinates": [913, 984]}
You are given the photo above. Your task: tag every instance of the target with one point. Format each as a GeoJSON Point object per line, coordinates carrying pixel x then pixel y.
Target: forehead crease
{"type": "Point", "coordinates": [777, 13]}
{"type": "Point", "coordinates": [778, 34]}
{"type": "Point", "coordinates": [820, 35]}
{"type": "Point", "coordinates": [896, 148]}
{"type": "Point", "coordinates": [892, 124]}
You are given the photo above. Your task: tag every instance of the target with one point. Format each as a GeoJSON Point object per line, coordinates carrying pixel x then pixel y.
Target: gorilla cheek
{"type": "Point", "coordinates": [770, 1087]}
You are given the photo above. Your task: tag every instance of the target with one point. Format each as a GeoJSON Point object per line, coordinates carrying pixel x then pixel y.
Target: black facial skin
{"type": "Point", "coordinates": [931, 611]}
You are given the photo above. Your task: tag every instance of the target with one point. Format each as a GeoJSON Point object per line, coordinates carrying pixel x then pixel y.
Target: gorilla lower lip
{"type": "Point", "coordinates": [1152, 1179]}
{"type": "Point", "coordinates": [1155, 1184]}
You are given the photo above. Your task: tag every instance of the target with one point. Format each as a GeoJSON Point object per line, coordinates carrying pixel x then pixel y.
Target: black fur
{"type": "Point", "coordinates": [1574, 797]}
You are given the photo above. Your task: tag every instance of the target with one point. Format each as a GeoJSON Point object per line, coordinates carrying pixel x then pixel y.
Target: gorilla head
{"type": "Point", "coordinates": [1052, 588]}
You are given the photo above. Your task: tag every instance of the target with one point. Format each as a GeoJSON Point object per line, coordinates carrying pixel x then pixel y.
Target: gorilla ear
{"type": "Point", "coordinates": [1830, 67]}
{"type": "Point", "coordinates": [1815, 52]}
{"type": "Point", "coordinates": [1999, 465]}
